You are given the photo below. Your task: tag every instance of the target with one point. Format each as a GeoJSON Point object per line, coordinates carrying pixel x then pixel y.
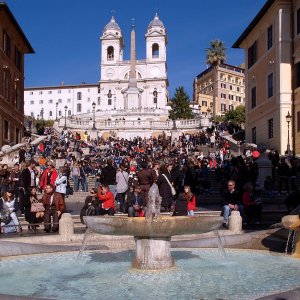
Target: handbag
{"type": "Point", "coordinates": [5, 216]}
{"type": "Point", "coordinates": [173, 191]}
{"type": "Point", "coordinates": [37, 207]}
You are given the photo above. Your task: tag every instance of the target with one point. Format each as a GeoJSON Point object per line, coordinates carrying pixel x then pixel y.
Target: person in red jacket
{"type": "Point", "coordinates": [48, 176]}
{"type": "Point", "coordinates": [107, 200]}
{"type": "Point", "coordinates": [191, 198]}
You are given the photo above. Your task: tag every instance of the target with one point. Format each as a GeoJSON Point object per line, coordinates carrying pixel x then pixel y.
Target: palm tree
{"type": "Point", "coordinates": [215, 55]}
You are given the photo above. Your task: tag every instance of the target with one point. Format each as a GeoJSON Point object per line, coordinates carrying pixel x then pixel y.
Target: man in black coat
{"type": "Point", "coordinates": [109, 176]}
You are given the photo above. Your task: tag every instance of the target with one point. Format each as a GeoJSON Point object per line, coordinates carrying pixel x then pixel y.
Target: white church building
{"type": "Point", "coordinates": [130, 99]}
{"type": "Point", "coordinates": [112, 96]}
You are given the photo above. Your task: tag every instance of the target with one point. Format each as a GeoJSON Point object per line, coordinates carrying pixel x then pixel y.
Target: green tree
{"type": "Point", "coordinates": [236, 116]}
{"type": "Point", "coordinates": [215, 55]}
{"type": "Point", "coordinates": [180, 105]}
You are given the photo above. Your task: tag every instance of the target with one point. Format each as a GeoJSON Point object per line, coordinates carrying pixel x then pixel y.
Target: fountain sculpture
{"type": "Point", "coordinates": [292, 222]}
{"type": "Point", "coordinates": [153, 233]}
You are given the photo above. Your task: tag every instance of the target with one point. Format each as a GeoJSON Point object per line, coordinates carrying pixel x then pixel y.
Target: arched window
{"type": "Point", "coordinates": [155, 96]}
{"type": "Point", "coordinates": [110, 53]}
{"type": "Point", "coordinates": [155, 51]}
{"type": "Point", "coordinates": [109, 96]}
{"type": "Point", "coordinates": [69, 113]}
{"type": "Point", "coordinates": [79, 96]}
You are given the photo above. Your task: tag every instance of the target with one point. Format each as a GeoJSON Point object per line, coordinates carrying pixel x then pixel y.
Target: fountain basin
{"type": "Point", "coordinates": [163, 227]}
{"type": "Point", "coordinates": [153, 237]}
{"type": "Point", "coordinates": [292, 222]}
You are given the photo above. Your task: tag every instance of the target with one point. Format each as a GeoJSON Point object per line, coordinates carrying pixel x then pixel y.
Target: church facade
{"type": "Point", "coordinates": [127, 90]}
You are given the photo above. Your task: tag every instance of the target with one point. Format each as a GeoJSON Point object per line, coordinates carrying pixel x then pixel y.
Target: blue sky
{"type": "Point", "coordinates": [65, 35]}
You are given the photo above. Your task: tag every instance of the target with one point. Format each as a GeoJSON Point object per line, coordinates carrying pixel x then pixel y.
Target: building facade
{"type": "Point", "coordinates": [272, 50]}
{"type": "Point", "coordinates": [114, 96]}
{"type": "Point", "coordinates": [230, 85]}
{"type": "Point", "coordinates": [13, 46]}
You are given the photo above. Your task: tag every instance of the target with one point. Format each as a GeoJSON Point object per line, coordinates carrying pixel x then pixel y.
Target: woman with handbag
{"type": "Point", "coordinates": [33, 209]}
{"type": "Point", "coordinates": [8, 210]}
{"type": "Point", "coordinates": [165, 187]}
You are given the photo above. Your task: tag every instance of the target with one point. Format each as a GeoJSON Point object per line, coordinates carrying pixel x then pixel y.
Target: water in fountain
{"type": "Point", "coordinates": [200, 274]}
{"type": "Point", "coordinates": [84, 243]}
{"type": "Point", "coordinates": [290, 243]}
{"type": "Point", "coordinates": [220, 244]}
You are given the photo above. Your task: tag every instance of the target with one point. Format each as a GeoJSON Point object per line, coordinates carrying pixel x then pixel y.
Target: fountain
{"type": "Point", "coordinates": [153, 233]}
{"type": "Point", "coordinates": [292, 222]}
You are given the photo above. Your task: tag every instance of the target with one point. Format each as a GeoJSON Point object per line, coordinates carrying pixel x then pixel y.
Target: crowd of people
{"type": "Point", "coordinates": [124, 171]}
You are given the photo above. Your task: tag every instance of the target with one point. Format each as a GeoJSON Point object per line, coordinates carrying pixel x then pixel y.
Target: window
{"type": "Point", "coordinates": [98, 101]}
{"type": "Point", "coordinates": [223, 107]}
{"type": "Point", "coordinates": [31, 93]}
{"type": "Point", "coordinates": [252, 55]}
{"type": "Point", "coordinates": [253, 97]}
{"type": "Point", "coordinates": [204, 103]}
{"type": "Point", "coordinates": [298, 121]}
{"type": "Point", "coordinates": [109, 95]}
{"type": "Point", "coordinates": [253, 131]}
{"type": "Point", "coordinates": [223, 96]}
{"type": "Point", "coordinates": [41, 102]}
{"type": "Point", "coordinates": [88, 99]}
{"type": "Point", "coordinates": [6, 44]}
{"type": "Point", "coordinates": [223, 85]}
{"type": "Point", "coordinates": [239, 98]}
{"type": "Point", "coordinates": [231, 87]}
{"type": "Point", "coordinates": [79, 96]}
{"type": "Point", "coordinates": [237, 88]}
{"type": "Point", "coordinates": [59, 92]}
{"type": "Point", "coordinates": [59, 113]}
{"type": "Point", "coordinates": [6, 84]}
{"type": "Point", "coordinates": [298, 20]}
{"type": "Point", "coordinates": [231, 97]}
{"type": "Point", "coordinates": [50, 92]}
{"type": "Point", "coordinates": [270, 37]}
{"type": "Point", "coordinates": [40, 92]}
{"type": "Point", "coordinates": [50, 113]}
{"type": "Point", "coordinates": [88, 90]}
{"type": "Point", "coordinates": [18, 59]}
{"type": "Point", "coordinates": [69, 100]}
{"type": "Point", "coordinates": [69, 113]}
{"type": "Point", "coordinates": [5, 130]}
{"type": "Point", "coordinates": [17, 96]}
{"type": "Point", "coordinates": [270, 128]}
{"type": "Point", "coordinates": [110, 53]}
{"type": "Point", "coordinates": [297, 74]}
{"type": "Point", "coordinates": [109, 101]}
{"type": "Point", "coordinates": [31, 101]}
{"type": "Point", "coordinates": [99, 90]}
{"type": "Point", "coordinates": [17, 137]}
{"type": "Point", "coordinates": [78, 107]}
{"type": "Point", "coordinates": [50, 101]}
{"type": "Point", "coordinates": [155, 96]}
{"type": "Point", "coordinates": [270, 85]}
{"type": "Point", "coordinates": [59, 101]}
{"type": "Point", "coordinates": [155, 51]}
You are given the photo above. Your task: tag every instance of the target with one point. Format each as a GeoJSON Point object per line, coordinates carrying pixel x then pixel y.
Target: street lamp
{"type": "Point", "coordinates": [288, 118]}
{"type": "Point", "coordinates": [56, 104]}
{"type": "Point", "coordinates": [94, 122]}
{"type": "Point", "coordinates": [66, 108]}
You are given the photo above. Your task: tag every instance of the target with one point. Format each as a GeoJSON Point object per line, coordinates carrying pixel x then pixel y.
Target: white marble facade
{"type": "Point", "coordinates": [112, 94]}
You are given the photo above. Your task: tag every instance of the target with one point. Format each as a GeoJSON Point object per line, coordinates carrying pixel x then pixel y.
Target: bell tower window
{"type": "Point", "coordinates": [155, 51]}
{"type": "Point", "coordinates": [110, 53]}
{"type": "Point", "coordinates": [109, 96]}
{"type": "Point", "coordinates": [155, 97]}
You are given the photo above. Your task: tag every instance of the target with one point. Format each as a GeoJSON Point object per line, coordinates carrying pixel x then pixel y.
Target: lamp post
{"type": "Point", "coordinates": [288, 118]}
{"type": "Point", "coordinates": [94, 122]}
{"type": "Point", "coordinates": [56, 104]}
{"type": "Point", "coordinates": [66, 108]}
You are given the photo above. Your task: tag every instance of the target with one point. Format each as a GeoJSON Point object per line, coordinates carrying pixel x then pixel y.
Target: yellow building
{"type": "Point", "coordinates": [230, 88]}
{"type": "Point", "coordinates": [272, 49]}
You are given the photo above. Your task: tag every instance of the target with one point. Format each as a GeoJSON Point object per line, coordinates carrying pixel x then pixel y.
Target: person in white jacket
{"type": "Point", "coordinates": [61, 182]}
